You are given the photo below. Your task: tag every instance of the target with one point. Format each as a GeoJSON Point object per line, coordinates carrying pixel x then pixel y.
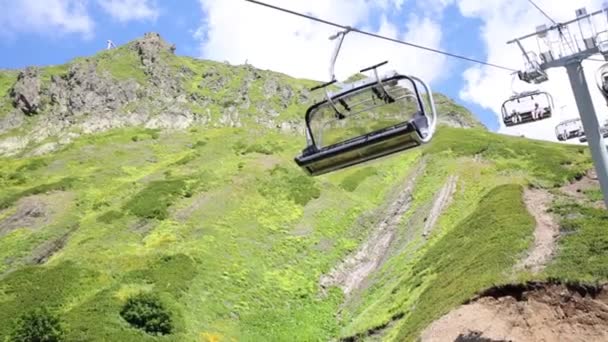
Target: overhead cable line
{"type": "Point", "coordinates": [543, 12]}
{"type": "Point", "coordinates": [353, 29]}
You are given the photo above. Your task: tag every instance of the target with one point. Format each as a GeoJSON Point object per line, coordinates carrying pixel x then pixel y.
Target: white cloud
{"type": "Point", "coordinates": [128, 10]}
{"type": "Point", "coordinates": [489, 87]}
{"type": "Point", "coordinates": [54, 16]}
{"type": "Point", "coordinates": [235, 30]}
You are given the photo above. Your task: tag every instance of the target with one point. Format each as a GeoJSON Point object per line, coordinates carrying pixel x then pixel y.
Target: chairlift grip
{"type": "Point", "coordinates": [381, 86]}
{"type": "Point", "coordinates": [374, 66]}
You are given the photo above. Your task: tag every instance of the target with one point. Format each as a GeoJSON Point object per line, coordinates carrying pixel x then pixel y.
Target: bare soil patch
{"type": "Point", "coordinates": [34, 212]}
{"type": "Point", "coordinates": [529, 312]}
{"type": "Point", "coordinates": [538, 202]}
{"type": "Point", "coordinates": [441, 202]}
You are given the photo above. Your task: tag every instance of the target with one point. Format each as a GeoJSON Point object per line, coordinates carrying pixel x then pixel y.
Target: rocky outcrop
{"type": "Point", "coordinates": [83, 91]}
{"type": "Point", "coordinates": [26, 92]}
{"type": "Point", "coordinates": [150, 50]}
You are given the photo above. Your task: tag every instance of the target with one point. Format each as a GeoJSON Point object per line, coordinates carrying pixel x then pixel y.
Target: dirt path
{"type": "Point", "coordinates": [349, 274]}
{"type": "Point", "coordinates": [442, 201]}
{"type": "Point", "coordinates": [545, 234]}
{"type": "Point", "coordinates": [543, 312]}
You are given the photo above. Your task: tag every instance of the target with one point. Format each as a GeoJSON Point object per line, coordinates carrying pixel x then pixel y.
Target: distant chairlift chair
{"type": "Point", "coordinates": [519, 108]}
{"type": "Point", "coordinates": [366, 119]}
{"type": "Point", "coordinates": [569, 129]}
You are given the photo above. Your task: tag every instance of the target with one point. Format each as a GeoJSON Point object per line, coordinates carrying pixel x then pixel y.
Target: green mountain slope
{"type": "Point", "coordinates": [216, 219]}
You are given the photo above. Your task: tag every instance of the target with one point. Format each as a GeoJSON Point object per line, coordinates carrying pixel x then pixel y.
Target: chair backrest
{"type": "Point", "coordinates": [364, 108]}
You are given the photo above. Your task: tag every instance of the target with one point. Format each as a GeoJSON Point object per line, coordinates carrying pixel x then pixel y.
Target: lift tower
{"type": "Point", "coordinates": [558, 46]}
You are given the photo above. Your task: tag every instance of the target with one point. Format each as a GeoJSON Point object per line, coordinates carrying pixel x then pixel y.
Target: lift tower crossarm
{"type": "Point", "coordinates": [553, 27]}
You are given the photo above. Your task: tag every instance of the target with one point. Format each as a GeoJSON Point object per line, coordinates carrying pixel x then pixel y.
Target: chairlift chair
{"type": "Point", "coordinates": [601, 80]}
{"type": "Point", "coordinates": [367, 119]}
{"type": "Point", "coordinates": [603, 132]}
{"type": "Point", "coordinates": [519, 108]}
{"type": "Point", "coordinates": [569, 129]}
{"type": "Point", "coordinates": [533, 73]}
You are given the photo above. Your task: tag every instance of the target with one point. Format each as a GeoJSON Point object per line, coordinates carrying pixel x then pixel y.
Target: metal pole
{"type": "Point", "coordinates": [590, 123]}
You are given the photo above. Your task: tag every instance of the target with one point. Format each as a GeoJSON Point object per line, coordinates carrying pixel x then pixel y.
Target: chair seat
{"type": "Point", "coordinates": [364, 148]}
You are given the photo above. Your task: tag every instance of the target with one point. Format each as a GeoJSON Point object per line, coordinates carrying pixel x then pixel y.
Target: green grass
{"type": "Point", "coordinates": [352, 181]}
{"type": "Point", "coordinates": [548, 163]}
{"type": "Point", "coordinates": [583, 247]}
{"type": "Point", "coordinates": [7, 80]}
{"type": "Point", "coordinates": [594, 195]}
{"type": "Point", "coordinates": [154, 200]}
{"type": "Point", "coordinates": [122, 63]}
{"type": "Point", "coordinates": [60, 185]}
{"type": "Point", "coordinates": [482, 248]}
{"type": "Point", "coordinates": [233, 236]}
{"type": "Point", "coordinates": [31, 287]}
{"type": "Point", "coordinates": [48, 72]}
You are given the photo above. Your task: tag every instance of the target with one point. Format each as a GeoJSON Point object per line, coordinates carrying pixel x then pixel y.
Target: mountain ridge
{"type": "Point", "coordinates": [143, 83]}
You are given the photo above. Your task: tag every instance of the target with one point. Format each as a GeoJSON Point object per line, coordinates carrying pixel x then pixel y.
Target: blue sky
{"type": "Point", "coordinates": [31, 34]}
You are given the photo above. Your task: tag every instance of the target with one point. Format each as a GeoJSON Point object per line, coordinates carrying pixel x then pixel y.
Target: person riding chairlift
{"type": "Point", "coordinates": [537, 112]}
{"type": "Point", "coordinates": [515, 116]}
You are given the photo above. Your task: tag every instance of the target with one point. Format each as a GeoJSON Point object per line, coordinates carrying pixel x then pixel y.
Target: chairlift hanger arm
{"type": "Point", "coordinates": [524, 51]}
{"type": "Point", "coordinates": [340, 35]}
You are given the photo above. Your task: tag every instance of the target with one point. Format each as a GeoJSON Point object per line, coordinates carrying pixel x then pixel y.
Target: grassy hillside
{"type": "Point", "coordinates": [233, 237]}
{"type": "Point", "coordinates": [228, 236]}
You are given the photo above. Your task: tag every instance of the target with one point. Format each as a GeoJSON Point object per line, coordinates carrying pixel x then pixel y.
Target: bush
{"type": "Point", "coordinates": [110, 216]}
{"type": "Point", "coordinates": [153, 201]}
{"type": "Point", "coordinates": [38, 325]}
{"type": "Point", "coordinates": [292, 183]}
{"type": "Point", "coordinates": [352, 181]}
{"type": "Point", "coordinates": [146, 312]}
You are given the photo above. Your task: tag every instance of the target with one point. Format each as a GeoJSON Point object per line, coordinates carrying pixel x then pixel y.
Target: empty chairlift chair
{"type": "Point", "coordinates": [365, 120]}
{"type": "Point", "coordinates": [569, 129]}
{"type": "Point", "coordinates": [527, 107]}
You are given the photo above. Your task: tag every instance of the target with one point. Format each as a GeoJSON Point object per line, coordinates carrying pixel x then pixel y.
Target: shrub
{"type": "Point", "coordinates": [352, 181]}
{"type": "Point", "coordinates": [33, 165]}
{"type": "Point", "coordinates": [110, 216]}
{"type": "Point", "coordinates": [146, 312]}
{"type": "Point", "coordinates": [199, 144]}
{"type": "Point", "coordinates": [154, 200]}
{"type": "Point", "coordinates": [298, 187]}
{"type": "Point", "coordinates": [38, 325]}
